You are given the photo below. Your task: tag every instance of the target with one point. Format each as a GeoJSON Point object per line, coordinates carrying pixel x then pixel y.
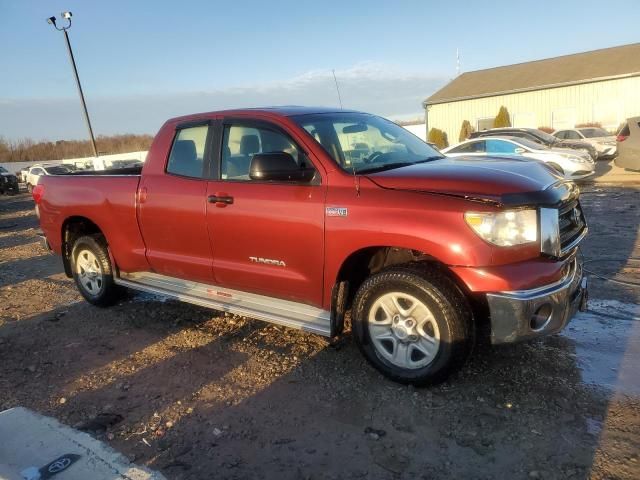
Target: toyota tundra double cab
{"type": "Point", "coordinates": [304, 217]}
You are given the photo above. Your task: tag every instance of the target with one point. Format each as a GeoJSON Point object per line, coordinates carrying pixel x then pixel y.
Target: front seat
{"type": "Point", "coordinates": [184, 159]}
{"type": "Point", "coordinates": [238, 165]}
{"type": "Point", "coordinates": [249, 144]}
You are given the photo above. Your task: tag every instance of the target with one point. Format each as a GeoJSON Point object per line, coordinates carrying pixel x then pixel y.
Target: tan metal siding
{"type": "Point", "coordinates": [612, 101]}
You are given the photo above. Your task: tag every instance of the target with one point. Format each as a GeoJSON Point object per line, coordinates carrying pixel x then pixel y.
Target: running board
{"type": "Point", "coordinates": [273, 310]}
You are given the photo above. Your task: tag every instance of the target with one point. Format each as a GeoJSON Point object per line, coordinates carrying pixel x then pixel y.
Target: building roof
{"type": "Point", "coordinates": [567, 70]}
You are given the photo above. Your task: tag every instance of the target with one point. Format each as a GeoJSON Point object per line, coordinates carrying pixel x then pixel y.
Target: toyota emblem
{"type": "Point", "coordinates": [59, 465]}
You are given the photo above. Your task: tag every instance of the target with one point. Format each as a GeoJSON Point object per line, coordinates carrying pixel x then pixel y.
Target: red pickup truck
{"type": "Point", "coordinates": [298, 216]}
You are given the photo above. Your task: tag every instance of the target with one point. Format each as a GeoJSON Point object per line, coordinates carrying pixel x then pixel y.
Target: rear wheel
{"type": "Point", "coordinates": [92, 271]}
{"type": "Point", "coordinates": [412, 324]}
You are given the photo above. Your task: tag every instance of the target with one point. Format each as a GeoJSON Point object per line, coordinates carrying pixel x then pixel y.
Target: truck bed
{"type": "Point", "coordinates": [106, 198]}
{"type": "Point", "coordinates": [111, 171]}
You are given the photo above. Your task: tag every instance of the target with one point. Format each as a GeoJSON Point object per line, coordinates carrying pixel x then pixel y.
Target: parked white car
{"type": "Point", "coordinates": [39, 170]}
{"type": "Point", "coordinates": [603, 141]}
{"type": "Point", "coordinates": [572, 164]}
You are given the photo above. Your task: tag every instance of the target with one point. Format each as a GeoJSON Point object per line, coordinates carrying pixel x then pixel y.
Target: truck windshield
{"type": "Point", "coordinates": [365, 143]}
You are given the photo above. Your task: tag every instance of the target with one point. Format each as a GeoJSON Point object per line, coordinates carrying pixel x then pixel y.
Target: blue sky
{"type": "Point", "coordinates": [142, 61]}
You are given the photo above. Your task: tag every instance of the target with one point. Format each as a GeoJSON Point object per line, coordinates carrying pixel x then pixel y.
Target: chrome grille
{"type": "Point", "coordinates": [572, 224]}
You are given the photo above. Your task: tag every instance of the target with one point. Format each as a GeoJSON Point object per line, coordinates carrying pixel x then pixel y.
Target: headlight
{"type": "Point", "coordinates": [510, 227]}
{"type": "Point", "coordinates": [576, 159]}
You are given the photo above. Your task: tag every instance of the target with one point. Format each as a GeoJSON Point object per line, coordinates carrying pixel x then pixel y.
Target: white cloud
{"type": "Point", "coordinates": [367, 86]}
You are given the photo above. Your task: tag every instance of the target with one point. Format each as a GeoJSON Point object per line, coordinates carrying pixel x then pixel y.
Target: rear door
{"type": "Point", "coordinates": [267, 237]}
{"type": "Point", "coordinates": [172, 203]}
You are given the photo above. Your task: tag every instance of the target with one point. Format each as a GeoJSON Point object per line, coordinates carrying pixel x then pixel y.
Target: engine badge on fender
{"type": "Point", "coordinates": [336, 212]}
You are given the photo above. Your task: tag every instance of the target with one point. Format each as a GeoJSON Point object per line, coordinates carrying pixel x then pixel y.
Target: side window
{"type": "Point", "coordinates": [37, 171]}
{"type": "Point", "coordinates": [472, 147]}
{"type": "Point", "coordinates": [572, 135]}
{"type": "Point", "coordinates": [500, 146]}
{"type": "Point", "coordinates": [561, 135]}
{"type": "Point", "coordinates": [241, 142]}
{"type": "Point", "coordinates": [187, 153]}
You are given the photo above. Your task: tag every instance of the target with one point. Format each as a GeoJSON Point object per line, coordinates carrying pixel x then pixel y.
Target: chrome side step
{"type": "Point", "coordinates": [273, 310]}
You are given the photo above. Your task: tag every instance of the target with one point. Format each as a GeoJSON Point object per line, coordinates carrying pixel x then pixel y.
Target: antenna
{"type": "Point", "coordinates": [337, 88]}
{"type": "Point", "coordinates": [457, 62]}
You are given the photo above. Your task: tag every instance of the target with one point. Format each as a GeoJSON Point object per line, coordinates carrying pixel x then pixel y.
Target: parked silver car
{"type": "Point", "coordinates": [572, 164]}
{"type": "Point", "coordinates": [603, 141]}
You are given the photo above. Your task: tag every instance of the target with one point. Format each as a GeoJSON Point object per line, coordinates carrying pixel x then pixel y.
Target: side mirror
{"type": "Point", "coordinates": [519, 150]}
{"type": "Point", "coordinates": [278, 167]}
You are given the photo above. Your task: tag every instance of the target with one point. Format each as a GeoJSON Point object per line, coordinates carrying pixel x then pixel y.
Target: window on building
{"type": "Point", "coordinates": [484, 123]}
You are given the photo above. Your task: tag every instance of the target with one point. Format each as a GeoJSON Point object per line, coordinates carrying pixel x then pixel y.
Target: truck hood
{"type": "Point", "coordinates": [495, 180]}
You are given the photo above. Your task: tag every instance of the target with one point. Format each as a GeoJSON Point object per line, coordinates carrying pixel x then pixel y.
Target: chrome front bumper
{"type": "Point", "coordinates": [541, 311]}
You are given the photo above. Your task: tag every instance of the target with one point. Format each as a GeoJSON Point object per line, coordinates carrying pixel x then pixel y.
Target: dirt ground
{"type": "Point", "coordinates": [196, 394]}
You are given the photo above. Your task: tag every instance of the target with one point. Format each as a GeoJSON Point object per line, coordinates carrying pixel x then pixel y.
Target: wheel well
{"type": "Point", "coordinates": [368, 261]}
{"type": "Point", "coordinates": [72, 229]}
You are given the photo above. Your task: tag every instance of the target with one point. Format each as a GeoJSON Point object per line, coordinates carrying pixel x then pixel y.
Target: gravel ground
{"type": "Point", "coordinates": [197, 394]}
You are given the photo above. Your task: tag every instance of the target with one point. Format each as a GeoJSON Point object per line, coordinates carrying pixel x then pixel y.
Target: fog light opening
{"type": "Point", "coordinates": [541, 317]}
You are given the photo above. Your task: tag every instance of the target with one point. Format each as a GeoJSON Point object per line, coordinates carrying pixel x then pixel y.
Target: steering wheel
{"type": "Point", "coordinates": [372, 158]}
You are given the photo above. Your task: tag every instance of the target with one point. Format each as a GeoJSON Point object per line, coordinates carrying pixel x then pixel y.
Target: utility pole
{"type": "Point", "coordinates": [52, 21]}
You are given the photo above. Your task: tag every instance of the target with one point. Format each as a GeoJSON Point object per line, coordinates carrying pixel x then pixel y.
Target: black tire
{"type": "Point", "coordinates": [449, 310]}
{"type": "Point", "coordinates": [104, 292]}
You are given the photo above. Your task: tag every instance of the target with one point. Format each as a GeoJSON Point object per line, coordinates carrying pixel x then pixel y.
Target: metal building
{"type": "Point", "coordinates": [597, 86]}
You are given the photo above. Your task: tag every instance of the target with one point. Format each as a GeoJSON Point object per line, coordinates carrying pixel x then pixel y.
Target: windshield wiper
{"type": "Point", "coordinates": [392, 166]}
{"type": "Point", "coordinates": [382, 168]}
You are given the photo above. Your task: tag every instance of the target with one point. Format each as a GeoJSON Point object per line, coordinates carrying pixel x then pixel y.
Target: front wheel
{"type": "Point", "coordinates": [412, 324]}
{"type": "Point", "coordinates": [92, 271]}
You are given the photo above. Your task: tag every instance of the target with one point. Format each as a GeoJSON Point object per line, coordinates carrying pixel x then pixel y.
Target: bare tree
{"type": "Point", "coordinates": [26, 149]}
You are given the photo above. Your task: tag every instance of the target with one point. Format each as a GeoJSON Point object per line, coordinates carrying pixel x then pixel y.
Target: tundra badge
{"type": "Point", "coordinates": [268, 261]}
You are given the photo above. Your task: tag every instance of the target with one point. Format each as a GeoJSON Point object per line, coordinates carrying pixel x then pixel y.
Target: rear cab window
{"type": "Point", "coordinates": [188, 151]}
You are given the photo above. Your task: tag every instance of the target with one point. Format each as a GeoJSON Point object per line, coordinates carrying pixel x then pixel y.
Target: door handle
{"type": "Point", "coordinates": [220, 199]}
{"type": "Point", "coordinates": [142, 195]}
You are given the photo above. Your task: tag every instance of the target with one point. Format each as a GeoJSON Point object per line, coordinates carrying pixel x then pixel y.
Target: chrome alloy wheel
{"type": "Point", "coordinates": [89, 272]}
{"type": "Point", "coordinates": [403, 330]}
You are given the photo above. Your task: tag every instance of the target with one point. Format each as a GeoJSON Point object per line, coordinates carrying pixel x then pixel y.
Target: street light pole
{"type": "Point", "coordinates": [52, 20]}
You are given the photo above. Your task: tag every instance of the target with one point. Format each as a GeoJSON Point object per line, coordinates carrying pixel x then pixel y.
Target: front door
{"type": "Point", "coordinates": [172, 205]}
{"type": "Point", "coordinates": [267, 237]}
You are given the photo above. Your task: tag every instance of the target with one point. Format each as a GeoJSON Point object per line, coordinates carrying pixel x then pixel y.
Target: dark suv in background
{"type": "Point", "coordinates": [8, 182]}
{"type": "Point", "coordinates": [540, 137]}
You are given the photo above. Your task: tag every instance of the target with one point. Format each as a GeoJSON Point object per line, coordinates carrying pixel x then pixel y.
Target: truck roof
{"type": "Point", "coordinates": [278, 111]}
